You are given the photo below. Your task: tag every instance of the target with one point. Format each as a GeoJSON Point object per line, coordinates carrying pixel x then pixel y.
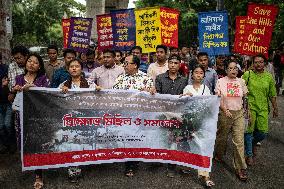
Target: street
{"type": "Point", "coordinates": [266, 173]}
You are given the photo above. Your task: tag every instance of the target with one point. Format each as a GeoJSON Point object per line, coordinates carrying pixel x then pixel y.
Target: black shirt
{"type": "Point", "coordinates": [165, 85]}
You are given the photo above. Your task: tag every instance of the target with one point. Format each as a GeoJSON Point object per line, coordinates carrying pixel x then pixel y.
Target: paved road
{"type": "Point", "coordinates": [267, 173]}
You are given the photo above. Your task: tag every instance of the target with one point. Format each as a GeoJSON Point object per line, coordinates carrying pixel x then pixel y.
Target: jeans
{"type": "Point", "coordinates": [6, 126]}
{"type": "Point", "coordinates": [251, 139]}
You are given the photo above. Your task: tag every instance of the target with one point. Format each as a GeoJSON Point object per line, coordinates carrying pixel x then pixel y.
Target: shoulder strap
{"type": "Point", "coordinates": [248, 78]}
{"type": "Point", "coordinates": [203, 89]}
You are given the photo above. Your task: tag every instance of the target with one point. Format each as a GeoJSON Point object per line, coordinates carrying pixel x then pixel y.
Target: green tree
{"type": "Point", "coordinates": [38, 21]}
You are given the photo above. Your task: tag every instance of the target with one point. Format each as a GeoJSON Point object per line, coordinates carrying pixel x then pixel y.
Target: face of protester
{"type": "Point", "coordinates": [220, 62]}
{"type": "Point", "coordinates": [174, 65]}
{"type": "Point", "coordinates": [258, 64]}
{"type": "Point", "coordinates": [129, 66]}
{"type": "Point", "coordinates": [118, 57]}
{"type": "Point", "coordinates": [184, 51]}
{"type": "Point", "coordinates": [174, 52]}
{"type": "Point", "coordinates": [198, 74]}
{"type": "Point", "coordinates": [108, 60]}
{"type": "Point", "coordinates": [161, 55]}
{"type": "Point", "coordinates": [52, 54]}
{"type": "Point", "coordinates": [232, 70]}
{"type": "Point", "coordinates": [75, 69]}
{"type": "Point", "coordinates": [136, 52]}
{"type": "Point", "coordinates": [20, 59]}
{"type": "Point", "coordinates": [32, 65]}
{"type": "Point", "coordinates": [69, 57]}
{"type": "Point", "coordinates": [203, 61]}
{"type": "Point", "coordinates": [83, 57]}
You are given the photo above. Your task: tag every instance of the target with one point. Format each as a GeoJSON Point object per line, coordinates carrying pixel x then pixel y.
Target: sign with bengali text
{"type": "Point", "coordinates": [169, 26]}
{"type": "Point", "coordinates": [148, 28]}
{"type": "Point", "coordinates": [213, 32]}
{"type": "Point", "coordinates": [80, 33]}
{"type": "Point", "coordinates": [65, 29]}
{"type": "Point", "coordinates": [86, 127]}
{"type": "Point", "coordinates": [105, 34]}
{"type": "Point", "coordinates": [123, 27]}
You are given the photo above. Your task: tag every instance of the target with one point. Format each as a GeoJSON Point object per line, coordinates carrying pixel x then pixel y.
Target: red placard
{"type": "Point", "coordinates": [169, 26]}
{"type": "Point", "coordinates": [104, 29]}
{"type": "Point", "coordinates": [258, 29]}
{"type": "Point", "coordinates": [65, 29]}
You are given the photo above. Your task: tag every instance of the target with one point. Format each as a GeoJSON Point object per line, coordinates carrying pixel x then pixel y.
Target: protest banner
{"type": "Point", "coordinates": [65, 30]}
{"type": "Point", "coordinates": [213, 32]}
{"type": "Point", "coordinates": [105, 34]}
{"type": "Point", "coordinates": [88, 127]}
{"type": "Point", "coordinates": [148, 28]}
{"type": "Point", "coordinates": [258, 30]}
{"type": "Point", "coordinates": [80, 33]}
{"type": "Point", "coordinates": [123, 28]}
{"type": "Point", "coordinates": [169, 26]}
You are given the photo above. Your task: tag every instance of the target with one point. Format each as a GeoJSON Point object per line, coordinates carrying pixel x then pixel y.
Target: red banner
{"type": "Point", "coordinates": [169, 26]}
{"type": "Point", "coordinates": [114, 155]}
{"type": "Point", "coordinates": [253, 35]}
{"type": "Point", "coordinates": [65, 29]}
{"type": "Point", "coordinates": [104, 28]}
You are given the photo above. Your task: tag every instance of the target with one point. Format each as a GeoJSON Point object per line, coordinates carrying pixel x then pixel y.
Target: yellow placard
{"type": "Point", "coordinates": [148, 28]}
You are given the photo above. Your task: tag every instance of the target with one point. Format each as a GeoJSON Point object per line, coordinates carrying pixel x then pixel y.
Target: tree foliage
{"type": "Point", "coordinates": [38, 21]}
{"type": "Point", "coordinates": [188, 22]}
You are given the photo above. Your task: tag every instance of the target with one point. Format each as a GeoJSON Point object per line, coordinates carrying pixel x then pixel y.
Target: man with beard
{"type": "Point", "coordinates": [53, 63]}
{"type": "Point", "coordinates": [106, 74]}
{"type": "Point", "coordinates": [60, 75]}
{"type": "Point", "coordinates": [161, 66]}
{"type": "Point", "coordinates": [211, 77]}
{"type": "Point", "coordinates": [90, 64]}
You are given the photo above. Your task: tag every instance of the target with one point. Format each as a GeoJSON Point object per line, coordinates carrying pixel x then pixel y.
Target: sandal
{"type": "Point", "coordinates": [208, 182]}
{"type": "Point", "coordinates": [242, 174]}
{"type": "Point", "coordinates": [129, 173]}
{"type": "Point", "coordinates": [38, 182]}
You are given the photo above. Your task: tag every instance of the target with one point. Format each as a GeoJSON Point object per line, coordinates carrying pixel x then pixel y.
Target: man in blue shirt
{"type": "Point", "coordinates": [60, 75]}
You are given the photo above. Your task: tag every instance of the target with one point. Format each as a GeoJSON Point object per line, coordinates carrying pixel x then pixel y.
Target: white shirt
{"type": "Point", "coordinates": [202, 90]}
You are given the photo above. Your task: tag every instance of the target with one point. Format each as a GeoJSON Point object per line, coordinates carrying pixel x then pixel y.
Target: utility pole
{"type": "Point", "coordinates": [5, 30]}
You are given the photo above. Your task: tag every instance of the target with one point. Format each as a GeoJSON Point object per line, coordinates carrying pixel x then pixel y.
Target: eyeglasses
{"type": "Point", "coordinates": [126, 63]}
{"type": "Point", "coordinates": [234, 68]}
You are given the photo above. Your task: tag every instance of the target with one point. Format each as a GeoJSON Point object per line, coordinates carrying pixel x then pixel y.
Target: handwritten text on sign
{"type": "Point", "coordinates": [148, 31]}
{"type": "Point", "coordinates": [169, 26]}
{"type": "Point", "coordinates": [105, 34]}
{"type": "Point", "coordinates": [80, 33]}
{"type": "Point", "coordinates": [213, 32]}
{"type": "Point", "coordinates": [256, 29]}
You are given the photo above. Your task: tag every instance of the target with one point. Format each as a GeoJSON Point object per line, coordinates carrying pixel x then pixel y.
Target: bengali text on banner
{"type": "Point", "coordinates": [89, 127]}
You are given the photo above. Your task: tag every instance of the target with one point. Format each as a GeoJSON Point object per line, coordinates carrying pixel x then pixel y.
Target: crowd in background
{"type": "Point", "coordinates": [247, 86]}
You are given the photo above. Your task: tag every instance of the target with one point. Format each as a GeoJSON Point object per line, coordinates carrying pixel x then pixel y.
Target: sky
{"type": "Point", "coordinates": [130, 5]}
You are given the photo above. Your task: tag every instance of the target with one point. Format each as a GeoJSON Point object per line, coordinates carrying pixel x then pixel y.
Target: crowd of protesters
{"type": "Point", "coordinates": [246, 86]}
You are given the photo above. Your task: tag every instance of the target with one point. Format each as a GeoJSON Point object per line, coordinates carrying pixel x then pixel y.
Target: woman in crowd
{"type": "Point", "coordinates": [261, 87]}
{"type": "Point", "coordinates": [198, 89]}
{"type": "Point", "coordinates": [34, 76]}
{"type": "Point", "coordinates": [75, 82]}
{"type": "Point", "coordinates": [231, 118]}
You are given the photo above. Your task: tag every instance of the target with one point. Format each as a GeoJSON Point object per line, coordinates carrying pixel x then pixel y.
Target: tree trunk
{"type": "Point", "coordinates": [5, 30]}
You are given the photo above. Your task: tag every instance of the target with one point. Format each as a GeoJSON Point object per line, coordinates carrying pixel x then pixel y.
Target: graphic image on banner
{"type": "Point", "coordinates": [80, 33]}
{"type": "Point", "coordinates": [123, 28]}
{"type": "Point", "coordinates": [213, 32]}
{"type": "Point", "coordinates": [257, 30]}
{"type": "Point", "coordinates": [105, 34]}
{"type": "Point", "coordinates": [88, 127]}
